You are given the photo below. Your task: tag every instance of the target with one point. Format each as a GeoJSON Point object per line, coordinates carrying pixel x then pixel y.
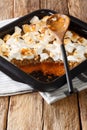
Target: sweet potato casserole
{"type": "Point", "coordinates": [35, 48]}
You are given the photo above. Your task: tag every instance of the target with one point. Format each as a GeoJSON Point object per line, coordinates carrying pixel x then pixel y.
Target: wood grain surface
{"type": "Point", "coordinates": [30, 111]}
{"type": "Point", "coordinates": [25, 112]}
{"type": "Point", "coordinates": [4, 102]}
{"type": "Point", "coordinates": [78, 8]}
{"type": "Point", "coordinates": [6, 9]}
{"type": "Point", "coordinates": [62, 115]}
{"type": "Point", "coordinates": [22, 7]}
{"type": "Point", "coordinates": [83, 108]}
{"type": "Point", "coordinates": [58, 5]}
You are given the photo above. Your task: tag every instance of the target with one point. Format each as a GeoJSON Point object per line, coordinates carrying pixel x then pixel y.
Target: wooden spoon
{"type": "Point", "coordinates": [59, 24]}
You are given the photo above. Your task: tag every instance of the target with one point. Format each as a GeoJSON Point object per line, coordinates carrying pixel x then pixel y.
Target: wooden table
{"type": "Point", "coordinates": [30, 111]}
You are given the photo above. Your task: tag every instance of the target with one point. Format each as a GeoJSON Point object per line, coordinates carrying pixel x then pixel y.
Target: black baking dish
{"type": "Point", "coordinates": [17, 74]}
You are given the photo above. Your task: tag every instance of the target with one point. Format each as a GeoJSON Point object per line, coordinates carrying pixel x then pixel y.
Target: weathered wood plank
{"type": "Point", "coordinates": [6, 9]}
{"type": "Point", "coordinates": [25, 112]}
{"type": "Point", "coordinates": [78, 8]}
{"type": "Point", "coordinates": [59, 5]}
{"type": "Point", "coordinates": [83, 108]}
{"type": "Point", "coordinates": [62, 115]}
{"type": "Point", "coordinates": [22, 7]}
{"type": "Point", "coordinates": [3, 112]}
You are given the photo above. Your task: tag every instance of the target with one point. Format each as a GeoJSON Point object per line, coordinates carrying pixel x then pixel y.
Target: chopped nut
{"type": "Point", "coordinates": [28, 28]}
{"type": "Point", "coordinates": [6, 37]}
{"type": "Point", "coordinates": [26, 51]}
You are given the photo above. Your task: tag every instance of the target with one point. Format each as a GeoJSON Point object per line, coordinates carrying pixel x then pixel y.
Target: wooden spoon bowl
{"type": "Point", "coordinates": [58, 24]}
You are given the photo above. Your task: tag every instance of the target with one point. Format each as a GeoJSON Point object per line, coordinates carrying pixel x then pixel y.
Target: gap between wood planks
{"type": "Point", "coordinates": [80, 122]}
{"type": "Point", "coordinates": [7, 112]}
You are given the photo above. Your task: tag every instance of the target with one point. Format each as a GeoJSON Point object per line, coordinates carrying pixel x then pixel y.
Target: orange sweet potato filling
{"type": "Point", "coordinates": [56, 69]}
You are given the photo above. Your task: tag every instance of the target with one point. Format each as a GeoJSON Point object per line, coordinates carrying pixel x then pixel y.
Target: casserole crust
{"type": "Point", "coordinates": [35, 48]}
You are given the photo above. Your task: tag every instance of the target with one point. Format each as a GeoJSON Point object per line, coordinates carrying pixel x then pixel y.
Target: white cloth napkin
{"type": "Point", "coordinates": [10, 87]}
